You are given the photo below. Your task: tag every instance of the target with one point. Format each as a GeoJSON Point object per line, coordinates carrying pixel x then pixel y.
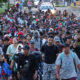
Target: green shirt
{"type": "Point", "coordinates": [11, 50]}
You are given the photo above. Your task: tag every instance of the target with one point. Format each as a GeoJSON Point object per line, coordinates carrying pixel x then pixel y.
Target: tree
{"type": "Point", "coordinates": [1, 1]}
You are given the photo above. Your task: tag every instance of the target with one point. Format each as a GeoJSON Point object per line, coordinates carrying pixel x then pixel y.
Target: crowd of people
{"type": "Point", "coordinates": [39, 46]}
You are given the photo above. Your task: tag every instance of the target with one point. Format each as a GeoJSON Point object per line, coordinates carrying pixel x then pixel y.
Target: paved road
{"type": "Point", "coordinates": [69, 9]}
{"type": "Point", "coordinates": [75, 10]}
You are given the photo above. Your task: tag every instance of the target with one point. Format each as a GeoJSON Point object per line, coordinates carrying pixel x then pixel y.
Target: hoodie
{"type": "Point", "coordinates": [36, 40]}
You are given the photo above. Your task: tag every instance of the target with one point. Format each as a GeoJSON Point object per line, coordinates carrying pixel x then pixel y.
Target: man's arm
{"type": "Point", "coordinates": [57, 72]}
{"type": "Point", "coordinates": [57, 51]}
{"type": "Point", "coordinates": [77, 60]}
{"type": "Point", "coordinates": [78, 66]}
{"type": "Point", "coordinates": [12, 64]}
{"type": "Point", "coordinates": [58, 65]}
{"type": "Point", "coordinates": [57, 69]}
{"type": "Point", "coordinates": [36, 75]}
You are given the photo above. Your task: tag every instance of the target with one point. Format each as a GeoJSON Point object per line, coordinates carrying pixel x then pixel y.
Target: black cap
{"type": "Point", "coordinates": [26, 47]}
{"type": "Point", "coordinates": [6, 39]}
{"type": "Point", "coordinates": [66, 45]}
{"type": "Point", "coordinates": [20, 42]}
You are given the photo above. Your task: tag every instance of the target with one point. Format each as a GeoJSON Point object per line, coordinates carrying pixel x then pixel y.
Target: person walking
{"type": "Point", "coordinates": [50, 52]}
{"type": "Point", "coordinates": [28, 67]}
{"type": "Point", "coordinates": [66, 64]}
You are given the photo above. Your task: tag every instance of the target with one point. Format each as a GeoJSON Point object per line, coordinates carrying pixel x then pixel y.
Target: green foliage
{"type": "Point", "coordinates": [2, 10]}
{"type": "Point", "coordinates": [5, 0]}
{"type": "Point", "coordinates": [3, 7]}
{"type": "Point", "coordinates": [1, 1]}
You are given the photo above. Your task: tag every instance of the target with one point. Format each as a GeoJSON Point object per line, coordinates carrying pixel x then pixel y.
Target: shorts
{"type": "Point", "coordinates": [49, 72]}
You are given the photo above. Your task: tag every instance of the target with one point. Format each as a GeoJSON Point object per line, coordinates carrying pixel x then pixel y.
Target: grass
{"type": "Point", "coordinates": [6, 5]}
{"type": "Point", "coordinates": [59, 5]}
{"type": "Point", "coordinates": [2, 10]}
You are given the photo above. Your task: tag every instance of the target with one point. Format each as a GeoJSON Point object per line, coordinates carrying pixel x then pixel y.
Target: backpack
{"type": "Point", "coordinates": [26, 69]}
{"type": "Point", "coordinates": [5, 70]}
{"type": "Point", "coordinates": [72, 53]}
{"type": "Point", "coordinates": [62, 55]}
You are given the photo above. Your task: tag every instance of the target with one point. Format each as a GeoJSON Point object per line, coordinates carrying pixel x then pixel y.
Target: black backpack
{"type": "Point", "coordinates": [26, 68]}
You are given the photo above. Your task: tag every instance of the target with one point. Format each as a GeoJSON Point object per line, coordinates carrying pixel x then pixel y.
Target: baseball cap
{"type": "Point", "coordinates": [56, 38]}
{"type": "Point", "coordinates": [51, 29]}
{"type": "Point", "coordinates": [66, 45]}
{"type": "Point", "coordinates": [6, 39]}
{"type": "Point", "coordinates": [26, 47]}
{"type": "Point", "coordinates": [20, 33]}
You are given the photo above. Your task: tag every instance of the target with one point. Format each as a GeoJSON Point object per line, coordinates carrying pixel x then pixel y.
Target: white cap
{"type": "Point", "coordinates": [56, 38]}
{"type": "Point", "coordinates": [51, 29]}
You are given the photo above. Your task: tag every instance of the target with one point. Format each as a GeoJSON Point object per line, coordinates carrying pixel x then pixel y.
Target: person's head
{"type": "Point", "coordinates": [41, 35]}
{"type": "Point", "coordinates": [67, 48]}
{"type": "Point", "coordinates": [57, 43]}
{"type": "Point", "coordinates": [28, 37]}
{"type": "Point", "coordinates": [56, 40]}
{"type": "Point", "coordinates": [51, 30]}
{"type": "Point", "coordinates": [31, 44]}
{"type": "Point", "coordinates": [20, 34]}
{"type": "Point", "coordinates": [26, 49]}
{"type": "Point", "coordinates": [50, 40]}
{"type": "Point", "coordinates": [69, 39]}
{"type": "Point", "coordinates": [24, 41]}
{"type": "Point", "coordinates": [19, 48]}
{"type": "Point", "coordinates": [36, 34]}
{"type": "Point", "coordinates": [6, 41]}
{"type": "Point", "coordinates": [15, 41]}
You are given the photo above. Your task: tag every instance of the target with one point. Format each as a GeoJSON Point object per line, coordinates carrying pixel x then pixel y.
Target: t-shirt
{"type": "Point", "coordinates": [32, 61]}
{"type": "Point", "coordinates": [67, 65]}
{"type": "Point", "coordinates": [50, 53]}
{"type": "Point", "coordinates": [11, 50]}
{"type": "Point", "coordinates": [5, 49]}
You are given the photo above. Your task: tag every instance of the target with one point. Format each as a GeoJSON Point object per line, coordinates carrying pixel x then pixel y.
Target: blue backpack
{"type": "Point", "coordinates": [6, 68]}
{"type": "Point", "coordinates": [62, 55]}
{"type": "Point", "coordinates": [73, 56]}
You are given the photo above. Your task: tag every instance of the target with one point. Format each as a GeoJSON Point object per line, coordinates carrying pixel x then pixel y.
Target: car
{"type": "Point", "coordinates": [47, 6]}
{"type": "Point", "coordinates": [36, 2]}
